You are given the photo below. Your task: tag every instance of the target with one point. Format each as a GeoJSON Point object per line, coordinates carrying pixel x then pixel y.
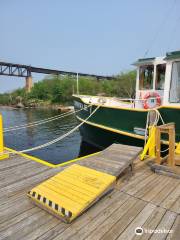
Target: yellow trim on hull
{"type": "Point", "coordinates": [47, 163]}
{"type": "Point", "coordinates": [117, 131]}
{"type": "Point", "coordinates": [112, 129]}
{"type": "Point", "coordinates": [126, 108]}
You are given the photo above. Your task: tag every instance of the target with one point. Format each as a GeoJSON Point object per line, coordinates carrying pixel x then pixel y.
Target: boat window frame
{"type": "Point", "coordinates": [156, 75]}
{"type": "Point", "coordinates": [177, 61]}
{"type": "Point", "coordinates": [153, 76]}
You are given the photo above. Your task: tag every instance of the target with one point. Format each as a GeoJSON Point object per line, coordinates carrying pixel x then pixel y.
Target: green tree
{"type": "Point", "coordinates": [59, 89]}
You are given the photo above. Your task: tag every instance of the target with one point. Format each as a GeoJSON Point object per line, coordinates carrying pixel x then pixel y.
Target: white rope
{"type": "Point", "coordinates": [167, 149]}
{"type": "Point", "coordinates": [157, 117]}
{"type": "Point", "coordinates": [59, 138]}
{"type": "Point", "coordinates": [42, 121]}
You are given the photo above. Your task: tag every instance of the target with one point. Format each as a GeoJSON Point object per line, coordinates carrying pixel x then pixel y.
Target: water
{"type": "Point", "coordinates": [69, 148]}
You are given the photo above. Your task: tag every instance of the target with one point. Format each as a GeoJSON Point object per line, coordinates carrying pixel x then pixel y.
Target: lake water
{"type": "Point", "coordinates": [69, 148]}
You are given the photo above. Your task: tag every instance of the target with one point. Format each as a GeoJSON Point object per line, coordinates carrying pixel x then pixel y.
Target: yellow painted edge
{"type": "Point", "coordinates": [47, 163]}
{"type": "Point", "coordinates": [4, 156]}
{"type": "Point", "coordinates": [126, 108]}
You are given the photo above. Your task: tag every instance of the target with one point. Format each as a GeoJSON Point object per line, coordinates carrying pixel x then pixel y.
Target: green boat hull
{"type": "Point", "coordinates": [101, 138]}
{"type": "Point", "coordinates": [119, 125]}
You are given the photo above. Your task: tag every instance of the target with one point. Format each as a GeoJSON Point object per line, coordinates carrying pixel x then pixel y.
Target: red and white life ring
{"type": "Point", "coordinates": [151, 95]}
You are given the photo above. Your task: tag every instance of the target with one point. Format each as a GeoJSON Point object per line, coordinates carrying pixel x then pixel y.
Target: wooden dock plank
{"type": "Point", "coordinates": [21, 174]}
{"type": "Point", "coordinates": [11, 211]}
{"type": "Point", "coordinates": [150, 185]}
{"type": "Point", "coordinates": [110, 218]}
{"type": "Point", "coordinates": [140, 185]}
{"type": "Point", "coordinates": [17, 218]}
{"type": "Point", "coordinates": [135, 180]}
{"type": "Point", "coordinates": [85, 232]}
{"type": "Point", "coordinates": [140, 219]}
{"type": "Point", "coordinates": [36, 233]}
{"type": "Point", "coordinates": [26, 183]}
{"type": "Point", "coordinates": [174, 235]}
{"type": "Point", "coordinates": [84, 220]}
{"type": "Point", "coordinates": [171, 198]}
{"type": "Point", "coordinates": [154, 191]}
{"type": "Point", "coordinates": [110, 161]}
{"type": "Point", "coordinates": [151, 223]}
{"type": "Point", "coordinates": [163, 194]}
{"type": "Point", "coordinates": [166, 223]}
{"type": "Point", "coordinates": [21, 228]}
{"type": "Point", "coordinates": [113, 229]}
{"type": "Point", "coordinates": [13, 162]}
{"type": "Point", "coordinates": [176, 206]}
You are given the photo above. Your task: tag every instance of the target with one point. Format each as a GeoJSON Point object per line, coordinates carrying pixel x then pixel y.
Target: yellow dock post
{"type": "Point", "coordinates": [3, 155]}
{"type": "Point", "coordinates": [177, 151]}
{"type": "Point", "coordinates": [152, 150]}
{"type": "Point", "coordinates": [150, 145]}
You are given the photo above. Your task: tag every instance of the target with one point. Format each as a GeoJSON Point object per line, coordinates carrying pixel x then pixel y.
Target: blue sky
{"type": "Point", "coordinates": [92, 36]}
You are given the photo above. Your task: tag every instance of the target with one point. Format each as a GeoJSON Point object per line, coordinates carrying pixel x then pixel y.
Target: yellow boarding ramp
{"type": "Point", "coordinates": [72, 191]}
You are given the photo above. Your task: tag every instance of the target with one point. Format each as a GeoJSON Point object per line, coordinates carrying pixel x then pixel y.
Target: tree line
{"type": "Point", "coordinates": [59, 89]}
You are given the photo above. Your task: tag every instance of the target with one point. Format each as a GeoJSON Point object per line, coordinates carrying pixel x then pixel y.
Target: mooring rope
{"type": "Point", "coordinates": [59, 138]}
{"type": "Point", "coordinates": [47, 120]}
{"type": "Point", "coordinates": [31, 123]}
{"type": "Point", "coordinates": [157, 117]}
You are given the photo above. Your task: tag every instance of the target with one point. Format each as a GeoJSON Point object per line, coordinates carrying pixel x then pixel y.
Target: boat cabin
{"type": "Point", "coordinates": [158, 81]}
{"type": "Point", "coordinates": [157, 84]}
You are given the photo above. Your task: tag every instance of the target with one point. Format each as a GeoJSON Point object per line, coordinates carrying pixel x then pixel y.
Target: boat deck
{"type": "Point", "coordinates": [144, 199]}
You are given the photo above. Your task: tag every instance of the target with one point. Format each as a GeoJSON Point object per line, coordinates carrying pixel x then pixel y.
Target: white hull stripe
{"type": "Point", "coordinates": [51, 204]}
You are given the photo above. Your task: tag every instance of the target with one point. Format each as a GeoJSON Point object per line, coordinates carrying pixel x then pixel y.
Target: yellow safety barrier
{"type": "Point", "coordinates": [177, 151]}
{"type": "Point", "coordinates": [72, 191]}
{"type": "Point", "coordinates": [150, 145]}
{"type": "Point", "coordinates": [3, 155]}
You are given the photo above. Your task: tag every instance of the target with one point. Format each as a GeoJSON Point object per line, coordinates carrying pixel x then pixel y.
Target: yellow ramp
{"type": "Point", "coordinates": [72, 191]}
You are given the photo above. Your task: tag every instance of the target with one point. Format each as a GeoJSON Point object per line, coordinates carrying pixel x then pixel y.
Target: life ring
{"type": "Point", "coordinates": [151, 95]}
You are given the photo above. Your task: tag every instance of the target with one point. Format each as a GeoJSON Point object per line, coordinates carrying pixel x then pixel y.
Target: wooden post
{"type": "Point", "coordinates": [171, 160]}
{"type": "Point", "coordinates": [170, 130]}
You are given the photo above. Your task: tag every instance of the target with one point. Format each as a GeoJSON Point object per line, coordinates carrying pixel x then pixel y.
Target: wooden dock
{"type": "Point", "coordinates": [144, 200]}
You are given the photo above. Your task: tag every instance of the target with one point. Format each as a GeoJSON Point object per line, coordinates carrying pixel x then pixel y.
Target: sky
{"type": "Point", "coordinates": [93, 36]}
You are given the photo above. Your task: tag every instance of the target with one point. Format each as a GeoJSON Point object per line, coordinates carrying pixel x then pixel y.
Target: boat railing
{"type": "Point", "coordinates": [134, 101]}
{"type": "Point", "coordinates": [130, 102]}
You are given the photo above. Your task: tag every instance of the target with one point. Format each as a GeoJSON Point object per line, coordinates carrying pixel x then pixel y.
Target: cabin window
{"type": "Point", "coordinates": [175, 83]}
{"type": "Point", "coordinates": [160, 76]}
{"type": "Point", "coordinates": [146, 74]}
